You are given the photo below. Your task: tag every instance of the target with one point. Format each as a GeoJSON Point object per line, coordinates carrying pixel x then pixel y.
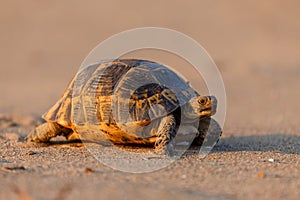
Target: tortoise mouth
{"type": "Point", "coordinates": [207, 112]}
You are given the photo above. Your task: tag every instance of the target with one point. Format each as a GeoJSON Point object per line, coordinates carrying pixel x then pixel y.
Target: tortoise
{"type": "Point", "coordinates": [130, 102]}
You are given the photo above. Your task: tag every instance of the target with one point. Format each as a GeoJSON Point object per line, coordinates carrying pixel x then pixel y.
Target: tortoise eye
{"type": "Point", "coordinates": [202, 101]}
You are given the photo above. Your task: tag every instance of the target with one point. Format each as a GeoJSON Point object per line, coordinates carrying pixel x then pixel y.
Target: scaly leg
{"type": "Point", "coordinates": [209, 132]}
{"type": "Point", "coordinates": [46, 131]}
{"type": "Point", "coordinates": [166, 135]}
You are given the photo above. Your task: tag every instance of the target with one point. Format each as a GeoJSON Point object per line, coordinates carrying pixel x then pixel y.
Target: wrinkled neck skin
{"type": "Point", "coordinates": [189, 114]}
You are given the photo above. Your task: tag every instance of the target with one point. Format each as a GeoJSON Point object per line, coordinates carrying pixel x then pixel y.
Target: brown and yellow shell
{"type": "Point", "coordinates": [120, 91]}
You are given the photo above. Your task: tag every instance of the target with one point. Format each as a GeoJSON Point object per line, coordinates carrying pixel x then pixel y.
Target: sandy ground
{"type": "Point", "coordinates": [256, 46]}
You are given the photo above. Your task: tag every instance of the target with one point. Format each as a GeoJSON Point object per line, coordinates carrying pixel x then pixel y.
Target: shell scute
{"type": "Point", "coordinates": [120, 91]}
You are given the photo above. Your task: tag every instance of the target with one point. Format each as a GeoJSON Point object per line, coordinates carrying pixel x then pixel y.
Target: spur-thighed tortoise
{"type": "Point", "coordinates": [114, 99]}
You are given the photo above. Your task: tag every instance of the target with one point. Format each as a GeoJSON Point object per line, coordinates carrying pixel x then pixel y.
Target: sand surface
{"type": "Point", "coordinates": [256, 46]}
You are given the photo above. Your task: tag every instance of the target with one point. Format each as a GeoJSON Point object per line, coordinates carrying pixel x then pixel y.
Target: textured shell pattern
{"type": "Point", "coordinates": [120, 91]}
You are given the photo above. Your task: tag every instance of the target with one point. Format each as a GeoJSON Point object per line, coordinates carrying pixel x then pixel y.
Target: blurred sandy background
{"type": "Point", "coordinates": [255, 44]}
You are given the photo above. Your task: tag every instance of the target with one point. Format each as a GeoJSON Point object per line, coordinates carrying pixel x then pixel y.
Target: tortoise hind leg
{"type": "Point", "coordinates": [166, 135]}
{"type": "Point", "coordinates": [46, 131]}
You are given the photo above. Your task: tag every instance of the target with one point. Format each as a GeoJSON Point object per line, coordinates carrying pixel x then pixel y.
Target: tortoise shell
{"type": "Point", "coordinates": [120, 91]}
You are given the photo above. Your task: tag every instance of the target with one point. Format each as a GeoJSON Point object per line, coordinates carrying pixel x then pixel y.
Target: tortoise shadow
{"type": "Point", "coordinates": [279, 142]}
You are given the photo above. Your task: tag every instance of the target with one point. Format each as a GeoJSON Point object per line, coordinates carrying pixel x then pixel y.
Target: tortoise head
{"type": "Point", "coordinates": [201, 106]}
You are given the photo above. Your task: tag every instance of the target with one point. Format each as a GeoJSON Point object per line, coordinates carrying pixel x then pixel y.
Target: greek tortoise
{"type": "Point", "coordinates": [130, 102]}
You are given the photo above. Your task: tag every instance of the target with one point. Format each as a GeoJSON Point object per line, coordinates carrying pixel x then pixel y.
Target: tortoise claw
{"type": "Point", "coordinates": [167, 150]}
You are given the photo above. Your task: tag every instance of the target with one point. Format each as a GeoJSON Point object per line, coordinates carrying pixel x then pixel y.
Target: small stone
{"type": "Point", "coordinates": [88, 170]}
{"type": "Point", "coordinates": [31, 153]}
{"type": "Point", "coordinates": [271, 160]}
{"type": "Point", "coordinates": [183, 176]}
{"type": "Point", "coordinates": [13, 168]}
{"type": "Point", "coordinates": [261, 175]}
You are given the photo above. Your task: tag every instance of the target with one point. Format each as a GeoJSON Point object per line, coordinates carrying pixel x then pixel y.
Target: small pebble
{"type": "Point", "coordinates": [261, 175]}
{"type": "Point", "coordinates": [13, 168]}
{"type": "Point", "coordinates": [31, 153]}
{"type": "Point", "coordinates": [88, 170]}
{"type": "Point", "coordinates": [271, 160]}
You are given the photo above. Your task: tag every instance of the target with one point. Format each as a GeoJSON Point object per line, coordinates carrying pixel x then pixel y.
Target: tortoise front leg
{"type": "Point", "coordinates": [209, 132]}
{"type": "Point", "coordinates": [166, 135]}
{"type": "Point", "coordinates": [46, 131]}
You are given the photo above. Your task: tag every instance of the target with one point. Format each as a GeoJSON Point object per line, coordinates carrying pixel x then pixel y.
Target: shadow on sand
{"type": "Point", "coordinates": [281, 143]}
